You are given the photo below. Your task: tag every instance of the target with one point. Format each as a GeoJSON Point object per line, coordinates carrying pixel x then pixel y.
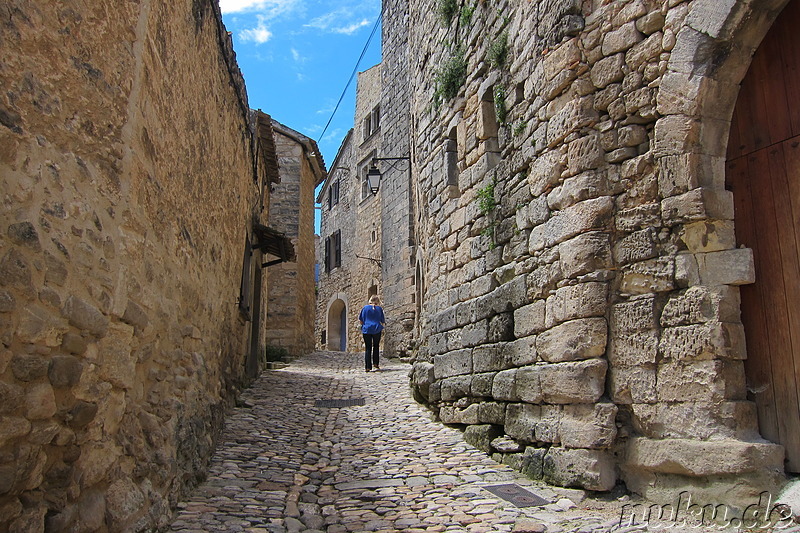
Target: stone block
{"type": "Point", "coordinates": [585, 253]}
{"type": "Point", "coordinates": [492, 413]}
{"type": "Point", "coordinates": [608, 70]}
{"type": "Point", "coordinates": [702, 458]}
{"type": "Point", "coordinates": [621, 39]}
{"type": "Point", "coordinates": [124, 499]}
{"type": "Point", "coordinates": [521, 352]}
{"type": "Point", "coordinates": [573, 382]}
{"type": "Point", "coordinates": [647, 277]}
{"type": "Point", "coordinates": [10, 397]}
{"type": "Point", "coordinates": [29, 367]}
{"type": "Point", "coordinates": [13, 428]}
{"type": "Point", "coordinates": [482, 435]}
{"type": "Point", "coordinates": [135, 315]}
{"type": "Point", "coordinates": [454, 415]}
{"type": "Point", "coordinates": [521, 421]}
{"type": "Point", "coordinates": [422, 376]}
{"type": "Point", "coordinates": [117, 364]}
{"type": "Point", "coordinates": [588, 426]}
{"type": "Point", "coordinates": [697, 204]}
{"type": "Point", "coordinates": [529, 319]}
{"type": "Point", "coordinates": [482, 384]}
{"type": "Point", "coordinates": [709, 236]}
{"type": "Point", "coordinates": [474, 334]}
{"type": "Point", "coordinates": [586, 469]}
{"type": "Point", "coordinates": [573, 116]}
{"type": "Point", "coordinates": [584, 153]}
{"type": "Point", "coordinates": [531, 462]}
{"type": "Point", "coordinates": [697, 420]}
{"type": "Point", "coordinates": [636, 247]}
{"type": "Point", "coordinates": [639, 217]}
{"type": "Point", "coordinates": [574, 189]}
{"type": "Point", "coordinates": [711, 340]}
{"type": "Point", "coordinates": [702, 381]}
{"type": "Point", "coordinates": [634, 316]}
{"type": "Point", "coordinates": [453, 363]}
{"type": "Point", "coordinates": [455, 388]}
{"type": "Point", "coordinates": [727, 267]}
{"type": "Point", "coordinates": [501, 328]}
{"type": "Point", "coordinates": [573, 341]}
{"type": "Point", "coordinates": [7, 302]}
{"type": "Point", "coordinates": [645, 51]}
{"type": "Point", "coordinates": [580, 218]}
{"type": "Point", "coordinates": [542, 280]}
{"type": "Point", "coordinates": [489, 357]}
{"type": "Point", "coordinates": [85, 316]}
{"type": "Point", "coordinates": [40, 402]}
{"type": "Point", "coordinates": [74, 344]}
{"type": "Point", "coordinates": [583, 300]}
{"type": "Point", "coordinates": [528, 387]}
{"type": "Point", "coordinates": [545, 172]}
{"type": "Point", "coordinates": [504, 386]}
{"type": "Point", "coordinates": [698, 305]}
{"type": "Point", "coordinates": [630, 349]}
{"type": "Point", "coordinates": [38, 325]}
{"type": "Point", "coordinates": [15, 272]}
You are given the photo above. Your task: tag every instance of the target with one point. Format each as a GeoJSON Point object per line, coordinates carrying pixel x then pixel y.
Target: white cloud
{"type": "Point", "coordinates": [259, 35]}
{"type": "Point", "coordinates": [267, 8]}
{"type": "Point", "coordinates": [339, 21]}
{"type": "Point", "coordinates": [352, 28]}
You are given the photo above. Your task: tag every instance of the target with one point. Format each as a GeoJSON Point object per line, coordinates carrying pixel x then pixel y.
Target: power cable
{"type": "Point", "coordinates": [355, 70]}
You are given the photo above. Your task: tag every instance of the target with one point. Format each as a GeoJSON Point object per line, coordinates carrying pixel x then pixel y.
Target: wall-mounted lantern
{"type": "Point", "coordinates": [374, 175]}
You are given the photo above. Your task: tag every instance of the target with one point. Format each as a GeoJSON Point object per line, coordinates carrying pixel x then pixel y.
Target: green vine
{"type": "Point", "coordinates": [446, 9]}
{"type": "Point", "coordinates": [466, 15]}
{"type": "Point", "coordinates": [450, 77]}
{"type": "Point", "coordinates": [498, 51]}
{"type": "Point", "coordinates": [500, 103]}
{"type": "Point", "coordinates": [486, 200]}
{"type": "Point", "coordinates": [519, 128]}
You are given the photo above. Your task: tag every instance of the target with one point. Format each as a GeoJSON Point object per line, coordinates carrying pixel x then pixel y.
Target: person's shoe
{"type": "Point", "coordinates": [367, 369]}
{"type": "Point", "coordinates": [377, 368]}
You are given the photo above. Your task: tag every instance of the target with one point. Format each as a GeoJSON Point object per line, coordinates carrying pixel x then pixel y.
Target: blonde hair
{"type": "Point", "coordinates": [374, 300]}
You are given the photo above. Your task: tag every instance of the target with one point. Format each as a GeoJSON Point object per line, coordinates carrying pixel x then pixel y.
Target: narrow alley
{"type": "Point", "coordinates": [288, 463]}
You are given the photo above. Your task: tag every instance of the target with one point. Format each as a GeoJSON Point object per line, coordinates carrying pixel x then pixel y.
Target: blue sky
{"type": "Point", "coordinates": [297, 55]}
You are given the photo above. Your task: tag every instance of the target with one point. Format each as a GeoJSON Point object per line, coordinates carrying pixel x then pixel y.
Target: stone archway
{"type": "Point", "coordinates": [763, 172]}
{"type": "Point", "coordinates": [336, 322]}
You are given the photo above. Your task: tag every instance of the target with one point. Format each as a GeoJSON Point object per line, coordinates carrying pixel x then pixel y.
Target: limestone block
{"type": "Point", "coordinates": [632, 135]}
{"type": "Point", "coordinates": [639, 217]}
{"type": "Point", "coordinates": [504, 298]}
{"type": "Point", "coordinates": [573, 382]}
{"type": "Point", "coordinates": [709, 236]}
{"type": "Point", "coordinates": [701, 381]}
{"type": "Point", "coordinates": [81, 414]}
{"type": "Point", "coordinates": [92, 510]}
{"type": "Point", "coordinates": [629, 349]}
{"type": "Point", "coordinates": [501, 328]}
{"type": "Point", "coordinates": [608, 70]}
{"type": "Point", "coordinates": [38, 325]}
{"type": "Point", "coordinates": [727, 267]}
{"type": "Point", "coordinates": [621, 39]}
{"type": "Point", "coordinates": [521, 420]}
{"type": "Point", "coordinates": [7, 302]}
{"type": "Point", "coordinates": [531, 462]}
{"type": "Point", "coordinates": [504, 386]}
{"type": "Point", "coordinates": [584, 153]}
{"type": "Point", "coordinates": [542, 280]}
{"type": "Point", "coordinates": [645, 51]}
{"type": "Point", "coordinates": [633, 316]}
{"type": "Point", "coordinates": [632, 384]}
{"type": "Point", "coordinates": [711, 340]}
{"type": "Point", "coordinates": [585, 253]}
{"type": "Point", "coordinates": [482, 435]}
{"type": "Point", "coordinates": [545, 172]}
{"type": "Point", "coordinates": [697, 420]}
{"type": "Point", "coordinates": [504, 444]}
{"type": "Point", "coordinates": [578, 188]}
{"type": "Point", "coordinates": [702, 458]}
{"type": "Point", "coordinates": [561, 58]}
{"type": "Point", "coordinates": [422, 375]}
{"type": "Point", "coordinates": [587, 469]}
{"type": "Point", "coordinates": [474, 334]}
{"type": "Point", "coordinates": [135, 315]}
{"type": "Point", "coordinates": [574, 340]}
{"type": "Point", "coordinates": [697, 305]}
{"type": "Point", "coordinates": [40, 402]}
{"type": "Point", "coordinates": [482, 384]}
{"type": "Point", "coordinates": [455, 388]}
{"type": "Point", "coordinates": [453, 363]}
{"type": "Point", "coordinates": [123, 500]}
{"type": "Point", "coordinates": [438, 343]}
{"type": "Point", "coordinates": [489, 357]}
{"type": "Point", "coordinates": [646, 277]}
{"type": "Point", "coordinates": [528, 385]}
{"type": "Point", "coordinates": [638, 246]}
{"type": "Point", "coordinates": [29, 367]}
{"type": "Point", "coordinates": [13, 428]}
{"type": "Point", "coordinates": [583, 300]}
{"type": "Point", "coordinates": [651, 22]}
{"type": "Point", "coordinates": [15, 272]}
{"type": "Point", "coordinates": [453, 415]}
{"type": "Point", "coordinates": [588, 426]}
{"type": "Point", "coordinates": [573, 116]}
{"type": "Point", "coordinates": [529, 319]}
{"type": "Point", "coordinates": [532, 213]}
{"type": "Point", "coordinates": [492, 413]}
{"type": "Point", "coordinates": [85, 316]}
{"type": "Point", "coordinates": [698, 204]}
{"type": "Point", "coordinates": [10, 397]}
{"type": "Point", "coordinates": [521, 352]}
{"type": "Point", "coordinates": [687, 273]}
{"type": "Point", "coordinates": [116, 363]}
{"type": "Point", "coordinates": [579, 218]}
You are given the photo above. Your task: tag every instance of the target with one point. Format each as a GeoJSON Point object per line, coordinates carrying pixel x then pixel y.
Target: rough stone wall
{"type": "Point", "coordinates": [358, 217]}
{"type": "Point", "coordinates": [292, 306]}
{"type": "Point", "coordinates": [581, 312]}
{"type": "Point", "coordinates": [128, 188]}
{"type": "Point", "coordinates": [397, 192]}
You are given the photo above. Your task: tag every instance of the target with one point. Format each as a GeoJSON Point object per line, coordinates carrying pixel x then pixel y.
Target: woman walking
{"type": "Point", "coordinates": [372, 322]}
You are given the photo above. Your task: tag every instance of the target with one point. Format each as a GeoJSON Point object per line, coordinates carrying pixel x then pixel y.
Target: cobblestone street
{"type": "Point", "coordinates": [287, 465]}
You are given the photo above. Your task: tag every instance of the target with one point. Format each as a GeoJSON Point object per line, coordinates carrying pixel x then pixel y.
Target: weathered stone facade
{"type": "Point", "coordinates": [351, 226]}
{"type": "Point", "coordinates": [292, 306]}
{"type": "Point", "coordinates": [579, 269]}
{"type": "Point", "coordinates": [132, 177]}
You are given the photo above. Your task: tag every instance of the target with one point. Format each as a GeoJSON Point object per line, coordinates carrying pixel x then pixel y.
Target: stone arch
{"type": "Point", "coordinates": [336, 321]}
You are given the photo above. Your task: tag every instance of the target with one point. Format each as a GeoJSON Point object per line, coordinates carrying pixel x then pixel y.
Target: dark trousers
{"type": "Point", "coordinates": [371, 341]}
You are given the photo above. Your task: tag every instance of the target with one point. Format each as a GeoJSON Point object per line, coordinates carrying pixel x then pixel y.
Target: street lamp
{"type": "Point", "coordinates": [374, 175]}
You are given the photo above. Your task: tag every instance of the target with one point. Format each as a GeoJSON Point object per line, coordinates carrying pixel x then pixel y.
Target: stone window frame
{"type": "Point", "coordinates": [333, 251]}
{"type": "Point", "coordinates": [372, 122]}
{"type": "Point", "coordinates": [333, 194]}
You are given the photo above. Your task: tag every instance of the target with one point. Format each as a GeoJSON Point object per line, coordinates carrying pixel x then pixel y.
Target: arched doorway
{"type": "Point", "coordinates": [763, 172]}
{"type": "Point", "coordinates": [337, 326]}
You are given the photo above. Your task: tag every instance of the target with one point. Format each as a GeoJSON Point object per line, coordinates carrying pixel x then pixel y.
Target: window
{"type": "Point", "coordinates": [372, 122]}
{"type": "Point", "coordinates": [333, 251]}
{"type": "Point", "coordinates": [333, 194]}
{"type": "Point", "coordinates": [365, 192]}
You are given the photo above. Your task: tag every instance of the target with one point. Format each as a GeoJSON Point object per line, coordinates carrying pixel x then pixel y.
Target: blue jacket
{"type": "Point", "coordinates": [371, 316]}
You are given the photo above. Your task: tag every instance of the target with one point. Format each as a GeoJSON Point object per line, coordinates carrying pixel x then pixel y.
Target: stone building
{"type": "Point", "coordinates": [351, 229]}
{"type": "Point", "coordinates": [292, 305]}
{"type": "Point", "coordinates": [135, 198]}
{"type": "Point", "coordinates": [604, 203]}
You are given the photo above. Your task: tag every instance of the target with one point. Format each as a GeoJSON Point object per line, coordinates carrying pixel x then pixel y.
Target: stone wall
{"type": "Point", "coordinates": [127, 169]}
{"type": "Point", "coordinates": [292, 306]}
{"type": "Point", "coordinates": [581, 308]}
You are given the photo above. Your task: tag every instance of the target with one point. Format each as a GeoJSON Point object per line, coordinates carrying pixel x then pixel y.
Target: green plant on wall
{"type": "Point", "coordinates": [450, 77]}
{"type": "Point", "coordinates": [466, 15]}
{"type": "Point", "coordinates": [486, 200]}
{"type": "Point", "coordinates": [446, 9]}
{"type": "Point", "coordinates": [498, 51]}
{"type": "Point", "coordinates": [500, 103]}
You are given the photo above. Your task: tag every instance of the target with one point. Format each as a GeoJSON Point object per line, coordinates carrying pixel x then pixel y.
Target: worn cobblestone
{"type": "Point", "coordinates": [288, 466]}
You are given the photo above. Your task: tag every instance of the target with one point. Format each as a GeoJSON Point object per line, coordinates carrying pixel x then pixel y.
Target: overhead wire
{"type": "Point", "coordinates": [355, 70]}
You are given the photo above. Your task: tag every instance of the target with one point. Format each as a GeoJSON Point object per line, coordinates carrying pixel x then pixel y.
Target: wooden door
{"type": "Point", "coordinates": [763, 171]}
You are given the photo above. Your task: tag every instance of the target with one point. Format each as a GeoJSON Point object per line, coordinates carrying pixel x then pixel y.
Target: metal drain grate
{"type": "Point", "coordinates": [517, 495]}
{"type": "Point", "coordinates": [339, 403]}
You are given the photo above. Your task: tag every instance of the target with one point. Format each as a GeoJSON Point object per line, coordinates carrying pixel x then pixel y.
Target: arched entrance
{"type": "Point", "coordinates": [337, 326]}
{"type": "Point", "coordinates": [763, 172]}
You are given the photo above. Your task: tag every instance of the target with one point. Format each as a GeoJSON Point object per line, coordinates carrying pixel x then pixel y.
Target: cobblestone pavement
{"type": "Point", "coordinates": [289, 466]}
